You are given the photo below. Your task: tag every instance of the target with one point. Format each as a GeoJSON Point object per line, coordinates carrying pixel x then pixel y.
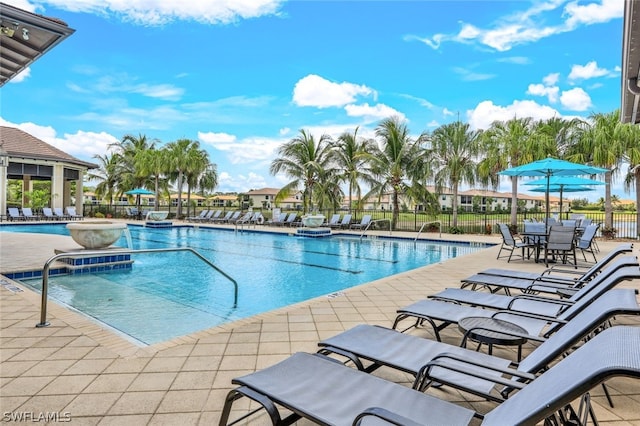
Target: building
{"type": "Point", "coordinates": [27, 158]}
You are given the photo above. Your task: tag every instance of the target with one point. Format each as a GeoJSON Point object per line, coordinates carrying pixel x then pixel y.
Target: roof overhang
{"type": "Point", "coordinates": [25, 37]}
{"type": "Point", "coordinates": [630, 63]}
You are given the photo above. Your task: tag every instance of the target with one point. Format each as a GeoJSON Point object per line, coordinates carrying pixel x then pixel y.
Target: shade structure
{"type": "Point", "coordinates": [138, 192]}
{"type": "Point", "coordinates": [550, 167]}
{"type": "Point", "coordinates": [565, 180]}
{"type": "Point", "coordinates": [561, 189]}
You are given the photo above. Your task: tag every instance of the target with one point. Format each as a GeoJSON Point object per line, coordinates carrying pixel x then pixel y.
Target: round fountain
{"type": "Point", "coordinates": [312, 226]}
{"type": "Point", "coordinates": [96, 234]}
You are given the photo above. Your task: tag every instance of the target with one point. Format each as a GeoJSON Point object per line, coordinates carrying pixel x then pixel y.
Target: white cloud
{"type": "Point", "coordinates": [375, 112]}
{"type": "Point", "coordinates": [468, 75]}
{"type": "Point", "coordinates": [551, 92]}
{"type": "Point", "coordinates": [284, 131]}
{"type": "Point", "coordinates": [21, 76]}
{"type": "Point", "coordinates": [590, 70]}
{"type": "Point", "coordinates": [82, 145]}
{"type": "Point", "coordinates": [447, 112]}
{"type": "Point", "coordinates": [160, 12]}
{"type": "Point", "coordinates": [487, 112]}
{"type": "Point", "coordinates": [242, 151]}
{"type": "Point", "coordinates": [240, 182]}
{"type": "Point", "coordinates": [575, 100]}
{"type": "Point", "coordinates": [551, 79]}
{"type": "Point", "coordinates": [518, 60]}
{"type": "Point", "coordinates": [316, 91]}
{"type": "Point", "coordinates": [530, 25]}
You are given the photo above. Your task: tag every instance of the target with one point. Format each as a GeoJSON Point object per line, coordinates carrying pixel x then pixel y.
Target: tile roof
{"type": "Point", "coordinates": [18, 143]}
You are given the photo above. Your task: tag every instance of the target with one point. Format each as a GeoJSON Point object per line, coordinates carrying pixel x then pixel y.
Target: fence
{"type": "Point", "coordinates": [468, 223]}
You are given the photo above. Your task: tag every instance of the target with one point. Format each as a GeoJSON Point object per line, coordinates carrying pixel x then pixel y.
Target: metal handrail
{"type": "Point", "coordinates": [45, 271]}
{"type": "Point", "coordinates": [375, 221]}
{"type": "Point", "coordinates": [428, 223]}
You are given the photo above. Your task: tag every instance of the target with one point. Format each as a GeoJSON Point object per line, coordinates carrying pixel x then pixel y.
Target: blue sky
{"type": "Point", "coordinates": [244, 77]}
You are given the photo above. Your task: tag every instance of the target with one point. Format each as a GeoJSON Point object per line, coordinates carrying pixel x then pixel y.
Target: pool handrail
{"type": "Point", "coordinates": [85, 253]}
{"type": "Point", "coordinates": [428, 223]}
{"type": "Point", "coordinates": [375, 221]}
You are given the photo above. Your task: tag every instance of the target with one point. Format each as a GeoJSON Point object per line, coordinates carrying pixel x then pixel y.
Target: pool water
{"type": "Point", "coordinates": [166, 295]}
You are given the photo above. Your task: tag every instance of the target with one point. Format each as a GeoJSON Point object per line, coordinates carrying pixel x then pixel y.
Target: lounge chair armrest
{"type": "Point", "coordinates": [535, 298]}
{"type": "Point", "coordinates": [384, 414]}
{"type": "Point", "coordinates": [461, 367]}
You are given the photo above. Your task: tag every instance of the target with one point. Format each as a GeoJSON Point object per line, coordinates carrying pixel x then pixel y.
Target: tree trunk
{"type": "Point", "coordinates": [608, 209]}
{"type": "Point", "coordinates": [396, 210]}
{"type": "Point", "coordinates": [514, 201]}
{"type": "Point", "coordinates": [454, 206]}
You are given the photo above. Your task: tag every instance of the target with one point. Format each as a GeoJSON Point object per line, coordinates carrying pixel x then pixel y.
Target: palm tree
{"type": "Point", "coordinates": [132, 150]}
{"type": "Point", "coordinates": [602, 144]}
{"type": "Point", "coordinates": [183, 154]}
{"type": "Point", "coordinates": [155, 163]}
{"type": "Point", "coordinates": [510, 144]}
{"type": "Point", "coordinates": [396, 164]}
{"type": "Point", "coordinates": [452, 153]}
{"type": "Point", "coordinates": [350, 157]}
{"type": "Point", "coordinates": [197, 164]}
{"type": "Point", "coordinates": [107, 176]}
{"type": "Point", "coordinates": [305, 161]}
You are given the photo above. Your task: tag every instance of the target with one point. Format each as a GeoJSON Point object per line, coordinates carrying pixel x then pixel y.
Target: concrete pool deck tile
{"type": "Point", "coordinates": [205, 362]}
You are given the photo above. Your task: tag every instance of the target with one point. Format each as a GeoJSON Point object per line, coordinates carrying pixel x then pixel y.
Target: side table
{"type": "Point", "coordinates": [492, 331]}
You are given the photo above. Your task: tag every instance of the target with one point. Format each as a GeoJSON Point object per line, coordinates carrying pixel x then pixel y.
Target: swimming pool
{"type": "Point", "coordinates": [166, 295]}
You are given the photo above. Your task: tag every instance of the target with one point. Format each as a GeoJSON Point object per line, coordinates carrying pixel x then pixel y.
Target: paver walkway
{"type": "Point", "coordinates": [77, 370]}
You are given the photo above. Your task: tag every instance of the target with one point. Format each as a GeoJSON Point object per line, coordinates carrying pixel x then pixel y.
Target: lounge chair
{"type": "Point", "coordinates": [225, 218]}
{"type": "Point", "coordinates": [344, 223]}
{"type": "Point", "coordinates": [236, 218]}
{"type": "Point", "coordinates": [505, 279]}
{"type": "Point", "coordinates": [28, 214]}
{"type": "Point", "coordinates": [59, 213]}
{"type": "Point", "coordinates": [366, 220]}
{"type": "Point", "coordinates": [72, 214]}
{"type": "Point", "coordinates": [14, 214]}
{"type": "Point", "coordinates": [212, 218]}
{"type": "Point", "coordinates": [201, 216]}
{"type": "Point", "coordinates": [383, 347]}
{"type": "Point", "coordinates": [278, 220]}
{"type": "Point", "coordinates": [335, 220]}
{"type": "Point", "coordinates": [532, 313]}
{"type": "Point", "coordinates": [325, 392]}
{"type": "Point", "coordinates": [208, 217]}
{"type": "Point", "coordinates": [291, 219]}
{"type": "Point", "coordinates": [495, 301]}
{"type": "Point", "coordinates": [47, 213]}
{"type": "Point", "coordinates": [511, 244]}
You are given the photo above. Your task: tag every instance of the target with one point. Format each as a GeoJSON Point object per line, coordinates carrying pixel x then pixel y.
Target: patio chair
{"type": "Point", "coordinates": [344, 223]}
{"type": "Point", "coordinates": [496, 301]}
{"type": "Point", "coordinates": [325, 392]}
{"type": "Point", "coordinates": [277, 220]}
{"type": "Point", "coordinates": [59, 213]}
{"type": "Point", "coordinates": [335, 220]}
{"type": "Point", "coordinates": [560, 244]}
{"type": "Point", "coordinates": [511, 244]}
{"type": "Point", "coordinates": [236, 218]}
{"type": "Point", "coordinates": [291, 220]}
{"type": "Point", "coordinates": [202, 215]}
{"type": "Point", "coordinates": [532, 313]}
{"type": "Point", "coordinates": [13, 213]}
{"type": "Point", "coordinates": [586, 242]}
{"type": "Point", "coordinates": [47, 213]}
{"type": "Point", "coordinates": [225, 218]}
{"type": "Point", "coordinates": [366, 220]}
{"type": "Point", "coordinates": [496, 279]}
{"type": "Point", "coordinates": [370, 347]}
{"type": "Point", "coordinates": [28, 214]}
{"type": "Point", "coordinates": [72, 214]}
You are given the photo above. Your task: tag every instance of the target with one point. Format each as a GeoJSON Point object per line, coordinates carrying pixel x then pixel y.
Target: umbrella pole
{"type": "Point", "coordinates": [561, 188]}
{"type": "Point", "coordinates": [547, 201]}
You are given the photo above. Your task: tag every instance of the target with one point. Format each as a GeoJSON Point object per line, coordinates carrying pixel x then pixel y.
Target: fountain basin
{"type": "Point", "coordinates": [157, 215]}
{"type": "Point", "coordinates": [96, 234]}
{"type": "Point", "coordinates": [312, 220]}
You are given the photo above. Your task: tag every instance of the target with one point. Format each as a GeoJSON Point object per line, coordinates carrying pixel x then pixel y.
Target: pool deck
{"type": "Point", "coordinates": [77, 369]}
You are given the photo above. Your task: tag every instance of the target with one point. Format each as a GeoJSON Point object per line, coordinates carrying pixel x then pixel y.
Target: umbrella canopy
{"type": "Point", "coordinates": [564, 180]}
{"type": "Point", "coordinates": [140, 191]}
{"type": "Point", "coordinates": [561, 189]}
{"type": "Point", "coordinates": [552, 167]}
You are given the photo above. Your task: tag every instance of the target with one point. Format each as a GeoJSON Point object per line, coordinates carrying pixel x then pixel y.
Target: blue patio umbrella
{"type": "Point", "coordinates": [561, 189]}
{"type": "Point", "coordinates": [138, 192]}
{"type": "Point", "coordinates": [565, 180]}
{"type": "Point", "coordinates": [550, 167]}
